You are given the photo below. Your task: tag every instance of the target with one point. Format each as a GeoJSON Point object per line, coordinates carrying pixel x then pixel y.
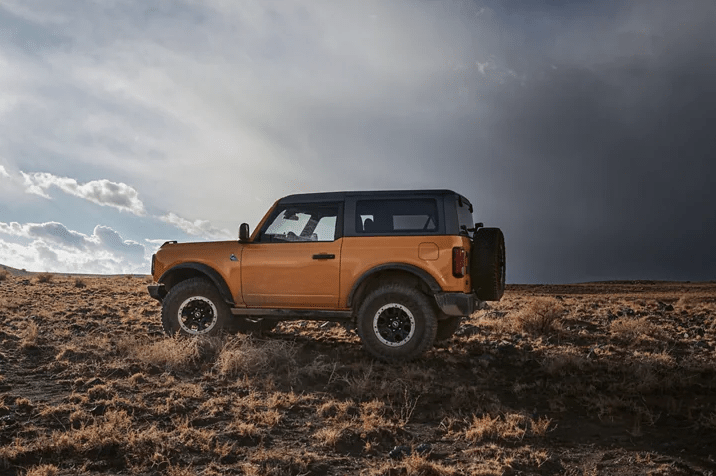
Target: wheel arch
{"type": "Point", "coordinates": [184, 271]}
{"type": "Point", "coordinates": [391, 271]}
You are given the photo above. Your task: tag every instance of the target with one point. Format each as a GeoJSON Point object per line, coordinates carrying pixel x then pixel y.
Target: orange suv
{"type": "Point", "coordinates": [401, 267]}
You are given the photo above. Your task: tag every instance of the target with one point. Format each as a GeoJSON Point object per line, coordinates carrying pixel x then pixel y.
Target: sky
{"type": "Point", "coordinates": [585, 130]}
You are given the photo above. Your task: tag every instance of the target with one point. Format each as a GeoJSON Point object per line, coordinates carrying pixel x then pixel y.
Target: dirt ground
{"type": "Point", "coordinates": [589, 379]}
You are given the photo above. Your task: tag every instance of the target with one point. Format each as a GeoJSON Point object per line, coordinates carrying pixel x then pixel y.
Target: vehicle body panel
{"type": "Point", "coordinates": [215, 254]}
{"type": "Point", "coordinates": [300, 274]}
{"type": "Point", "coordinates": [361, 254]}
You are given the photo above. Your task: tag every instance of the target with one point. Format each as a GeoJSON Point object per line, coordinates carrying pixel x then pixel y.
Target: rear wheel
{"type": "Point", "coordinates": [396, 323]}
{"type": "Point", "coordinates": [194, 307]}
{"type": "Point", "coordinates": [488, 263]}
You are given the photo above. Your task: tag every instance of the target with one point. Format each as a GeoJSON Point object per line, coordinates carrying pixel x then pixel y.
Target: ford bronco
{"type": "Point", "coordinates": [400, 267]}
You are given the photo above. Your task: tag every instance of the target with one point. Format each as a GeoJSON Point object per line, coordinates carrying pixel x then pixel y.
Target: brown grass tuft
{"type": "Point", "coordinates": [506, 427]}
{"type": "Point", "coordinates": [632, 329]}
{"type": "Point", "coordinates": [565, 362]}
{"type": "Point", "coordinates": [244, 355]}
{"type": "Point", "coordinates": [332, 434]}
{"type": "Point", "coordinates": [3, 275]}
{"type": "Point", "coordinates": [80, 283]}
{"type": "Point", "coordinates": [44, 277]}
{"type": "Point", "coordinates": [176, 353]}
{"type": "Point", "coordinates": [539, 316]}
{"type": "Point", "coordinates": [415, 464]}
{"type": "Point", "coordinates": [29, 338]}
{"type": "Point", "coordinates": [43, 470]}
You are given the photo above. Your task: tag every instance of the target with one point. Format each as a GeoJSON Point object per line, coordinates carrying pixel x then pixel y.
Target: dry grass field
{"type": "Point", "coordinates": [591, 379]}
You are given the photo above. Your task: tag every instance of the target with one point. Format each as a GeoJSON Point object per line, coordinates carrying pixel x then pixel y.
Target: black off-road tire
{"type": "Point", "coordinates": [488, 264]}
{"type": "Point", "coordinates": [447, 326]}
{"type": "Point", "coordinates": [195, 307]}
{"type": "Point", "coordinates": [396, 323]}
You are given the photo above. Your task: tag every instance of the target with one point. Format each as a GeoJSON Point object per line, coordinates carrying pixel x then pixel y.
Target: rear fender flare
{"type": "Point", "coordinates": [173, 275]}
{"type": "Point", "coordinates": [423, 275]}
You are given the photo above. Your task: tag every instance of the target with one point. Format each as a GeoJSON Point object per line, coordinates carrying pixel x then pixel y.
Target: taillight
{"type": "Point", "coordinates": [154, 259]}
{"type": "Point", "coordinates": [459, 262]}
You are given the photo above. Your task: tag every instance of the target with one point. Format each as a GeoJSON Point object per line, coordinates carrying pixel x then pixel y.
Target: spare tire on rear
{"type": "Point", "coordinates": [487, 264]}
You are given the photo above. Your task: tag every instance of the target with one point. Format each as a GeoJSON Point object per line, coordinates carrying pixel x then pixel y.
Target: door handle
{"type": "Point", "coordinates": [324, 256]}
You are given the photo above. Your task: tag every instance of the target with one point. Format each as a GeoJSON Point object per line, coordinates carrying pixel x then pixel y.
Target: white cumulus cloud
{"type": "Point", "coordinates": [57, 233]}
{"type": "Point", "coordinates": [3, 172]}
{"type": "Point", "coordinates": [109, 239]}
{"type": "Point", "coordinates": [14, 229]}
{"type": "Point", "coordinates": [201, 228]}
{"type": "Point", "coordinates": [53, 247]}
{"type": "Point", "coordinates": [102, 192]}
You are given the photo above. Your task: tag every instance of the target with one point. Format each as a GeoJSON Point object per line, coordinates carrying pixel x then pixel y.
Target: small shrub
{"type": "Point", "coordinates": [79, 283]}
{"type": "Point", "coordinates": [565, 363]}
{"type": "Point", "coordinates": [3, 275]}
{"type": "Point", "coordinates": [540, 316]}
{"type": "Point", "coordinates": [496, 321]}
{"type": "Point", "coordinates": [632, 329]}
{"type": "Point", "coordinates": [29, 339]}
{"type": "Point", "coordinates": [244, 355]}
{"type": "Point", "coordinates": [177, 353]}
{"type": "Point", "coordinates": [44, 277]}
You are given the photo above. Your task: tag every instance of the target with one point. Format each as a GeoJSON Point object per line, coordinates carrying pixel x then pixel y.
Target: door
{"type": "Point", "coordinates": [295, 260]}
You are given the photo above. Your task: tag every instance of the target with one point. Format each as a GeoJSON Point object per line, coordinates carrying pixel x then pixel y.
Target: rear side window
{"type": "Point", "coordinates": [396, 216]}
{"type": "Point", "coordinates": [464, 215]}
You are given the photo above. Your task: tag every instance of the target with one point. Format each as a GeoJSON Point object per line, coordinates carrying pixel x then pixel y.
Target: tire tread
{"type": "Point", "coordinates": [411, 350]}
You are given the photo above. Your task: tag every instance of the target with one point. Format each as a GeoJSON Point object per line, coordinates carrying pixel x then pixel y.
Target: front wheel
{"type": "Point", "coordinates": [396, 323]}
{"type": "Point", "coordinates": [194, 307]}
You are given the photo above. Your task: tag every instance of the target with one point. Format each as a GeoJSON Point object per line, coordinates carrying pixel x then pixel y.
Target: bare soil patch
{"type": "Point", "coordinates": [599, 378]}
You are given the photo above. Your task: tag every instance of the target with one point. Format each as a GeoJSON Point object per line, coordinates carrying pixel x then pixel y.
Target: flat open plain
{"type": "Point", "coordinates": [587, 379]}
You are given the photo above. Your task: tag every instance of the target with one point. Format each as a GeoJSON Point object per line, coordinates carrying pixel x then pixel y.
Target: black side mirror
{"type": "Point", "coordinates": [244, 232]}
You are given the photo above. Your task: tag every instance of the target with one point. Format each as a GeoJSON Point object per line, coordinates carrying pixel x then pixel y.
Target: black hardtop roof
{"type": "Point", "coordinates": [377, 194]}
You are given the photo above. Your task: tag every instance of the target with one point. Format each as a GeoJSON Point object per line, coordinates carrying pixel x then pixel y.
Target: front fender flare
{"type": "Point", "coordinates": [203, 269]}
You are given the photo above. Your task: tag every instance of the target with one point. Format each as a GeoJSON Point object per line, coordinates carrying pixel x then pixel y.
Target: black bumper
{"type": "Point", "coordinates": [458, 304]}
{"type": "Point", "coordinates": [157, 291]}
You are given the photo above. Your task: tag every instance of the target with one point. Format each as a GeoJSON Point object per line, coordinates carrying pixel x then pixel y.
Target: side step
{"type": "Point", "coordinates": [294, 314]}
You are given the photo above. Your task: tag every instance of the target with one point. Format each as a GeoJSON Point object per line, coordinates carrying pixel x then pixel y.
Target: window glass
{"type": "Point", "coordinates": [326, 229]}
{"type": "Point", "coordinates": [302, 223]}
{"type": "Point", "coordinates": [464, 216]}
{"type": "Point", "coordinates": [389, 216]}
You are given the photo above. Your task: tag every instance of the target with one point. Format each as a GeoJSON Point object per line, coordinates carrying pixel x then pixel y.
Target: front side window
{"type": "Point", "coordinates": [302, 223]}
{"type": "Point", "coordinates": [396, 216]}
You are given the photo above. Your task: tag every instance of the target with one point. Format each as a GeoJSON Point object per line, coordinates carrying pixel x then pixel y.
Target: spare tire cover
{"type": "Point", "coordinates": [488, 263]}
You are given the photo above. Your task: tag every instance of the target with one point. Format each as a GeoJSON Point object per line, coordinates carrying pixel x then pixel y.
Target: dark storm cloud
{"type": "Point", "coordinates": [585, 132]}
{"type": "Point", "coordinates": [607, 165]}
